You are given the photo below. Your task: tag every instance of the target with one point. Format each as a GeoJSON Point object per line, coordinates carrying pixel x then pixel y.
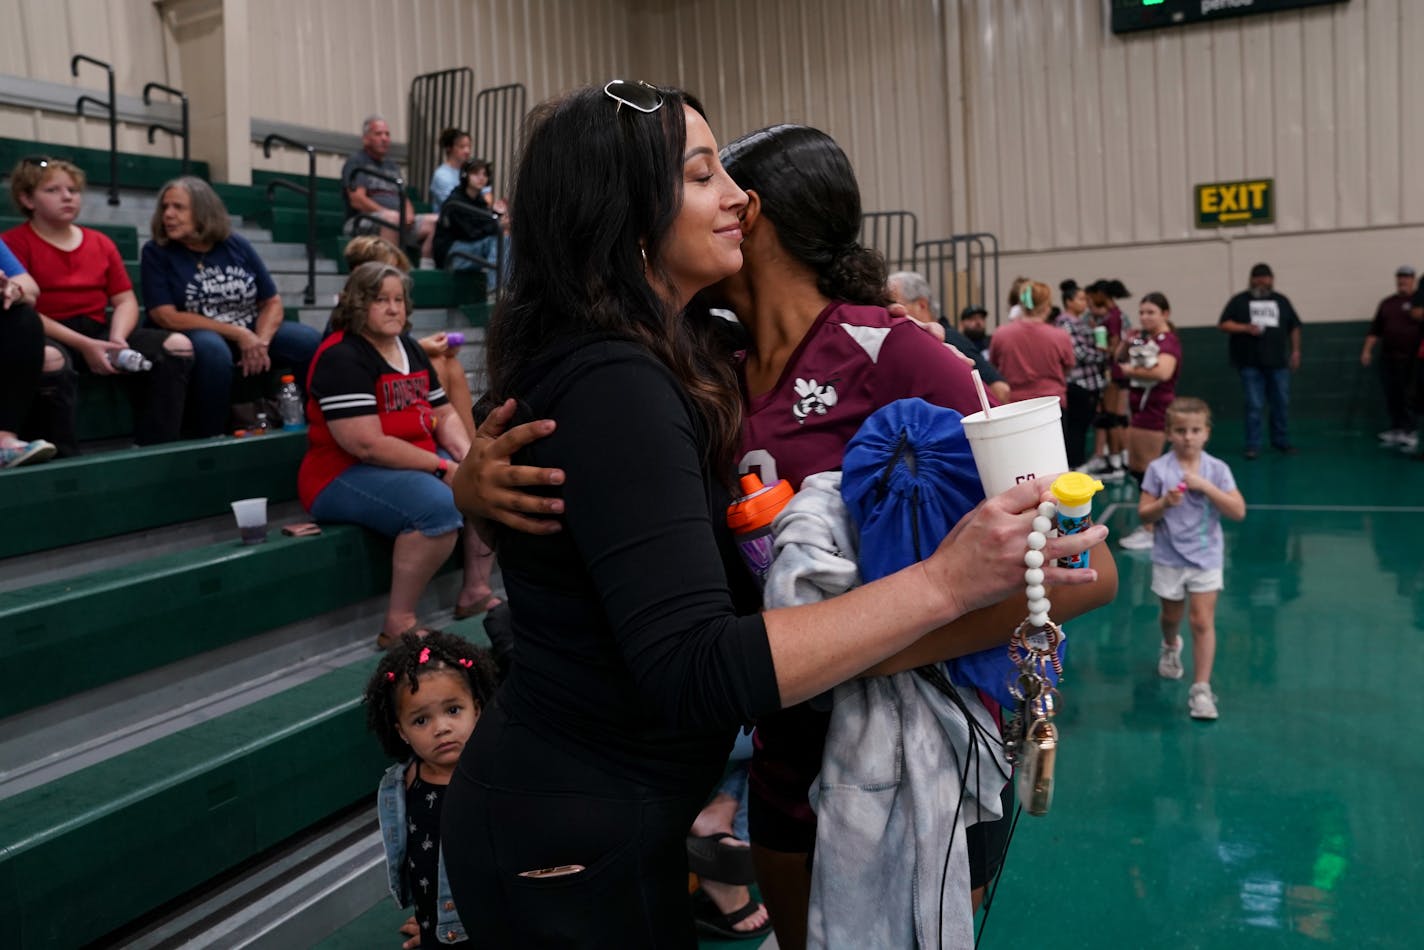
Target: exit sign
{"type": "Point", "coordinates": [1226, 203]}
{"type": "Point", "coordinates": [1131, 15]}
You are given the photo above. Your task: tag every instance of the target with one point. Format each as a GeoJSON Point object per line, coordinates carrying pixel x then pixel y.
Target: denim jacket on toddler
{"type": "Point", "coordinates": [390, 809]}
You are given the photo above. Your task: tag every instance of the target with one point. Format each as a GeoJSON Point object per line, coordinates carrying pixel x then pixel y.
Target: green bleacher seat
{"type": "Point", "coordinates": [72, 501]}
{"type": "Point", "coordinates": [87, 853]}
{"type": "Point", "coordinates": [121, 621]}
{"type": "Point", "coordinates": [290, 224]}
{"type": "Point", "coordinates": [135, 170]}
{"type": "Point", "coordinates": [328, 186]}
{"type": "Point", "coordinates": [437, 288]}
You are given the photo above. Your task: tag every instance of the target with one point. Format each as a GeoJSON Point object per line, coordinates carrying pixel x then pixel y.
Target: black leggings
{"type": "Point", "coordinates": [21, 359]}
{"type": "Point", "coordinates": [518, 802]}
{"type": "Point", "coordinates": [1077, 420]}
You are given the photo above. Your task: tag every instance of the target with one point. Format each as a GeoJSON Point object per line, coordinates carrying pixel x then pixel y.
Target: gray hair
{"type": "Point", "coordinates": [369, 121]}
{"type": "Point", "coordinates": [910, 285]}
{"type": "Point", "coordinates": [211, 223]}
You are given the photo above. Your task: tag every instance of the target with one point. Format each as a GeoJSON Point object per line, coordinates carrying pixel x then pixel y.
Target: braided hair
{"type": "Point", "coordinates": [402, 668]}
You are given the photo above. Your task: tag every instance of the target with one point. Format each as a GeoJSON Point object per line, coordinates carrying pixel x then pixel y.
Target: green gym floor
{"type": "Point", "coordinates": [1287, 822]}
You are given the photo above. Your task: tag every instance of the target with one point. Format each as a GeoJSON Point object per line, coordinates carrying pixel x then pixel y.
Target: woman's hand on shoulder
{"type": "Point", "coordinates": [488, 486]}
{"type": "Point", "coordinates": [982, 561]}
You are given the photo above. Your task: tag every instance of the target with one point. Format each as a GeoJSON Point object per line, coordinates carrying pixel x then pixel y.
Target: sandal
{"type": "Point", "coordinates": [710, 920]}
{"type": "Point", "coordinates": [708, 857]}
{"type": "Point", "coordinates": [484, 606]}
{"type": "Point", "coordinates": [384, 641]}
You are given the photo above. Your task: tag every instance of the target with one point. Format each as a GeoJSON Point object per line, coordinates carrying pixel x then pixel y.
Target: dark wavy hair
{"type": "Point", "coordinates": [595, 188]}
{"type": "Point", "coordinates": [402, 668]}
{"type": "Point", "coordinates": [809, 192]}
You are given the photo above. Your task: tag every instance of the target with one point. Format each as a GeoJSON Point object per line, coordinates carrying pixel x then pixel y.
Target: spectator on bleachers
{"type": "Point", "coordinates": [366, 194]}
{"type": "Point", "coordinates": [21, 359]}
{"type": "Point", "coordinates": [201, 278]}
{"type": "Point", "coordinates": [422, 703]}
{"type": "Point", "coordinates": [444, 357]}
{"type": "Point", "coordinates": [80, 276]}
{"type": "Point", "coordinates": [910, 289]}
{"type": "Point", "coordinates": [1033, 355]}
{"type": "Point", "coordinates": [381, 439]}
{"type": "Point", "coordinates": [471, 222]}
{"type": "Point", "coordinates": [455, 148]}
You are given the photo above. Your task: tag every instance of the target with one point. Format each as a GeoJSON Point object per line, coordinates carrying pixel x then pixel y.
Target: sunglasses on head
{"type": "Point", "coordinates": [37, 161]}
{"type": "Point", "coordinates": [634, 95]}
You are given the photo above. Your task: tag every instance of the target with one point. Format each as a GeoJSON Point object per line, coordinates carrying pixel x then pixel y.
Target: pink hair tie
{"type": "Point", "coordinates": [424, 655]}
{"type": "Point", "coordinates": [465, 663]}
{"type": "Point", "coordinates": [390, 676]}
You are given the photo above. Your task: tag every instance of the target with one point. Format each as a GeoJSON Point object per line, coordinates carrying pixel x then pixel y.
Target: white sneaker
{"type": "Point", "coordinates": [1169, 661]}
{"type": "Point", "coordinates": [1115, 473]}
{"type": "Point", "coordinates": [1390, 436]}
{"type": "Point", "coordinates": [1097, 465]}
{"type": "Point", "coordinates": [1201, 701]}
{"type": "Point", "coordinates": [1407, 441]}
{"type": "Point", "coordinates": [1139, 540]}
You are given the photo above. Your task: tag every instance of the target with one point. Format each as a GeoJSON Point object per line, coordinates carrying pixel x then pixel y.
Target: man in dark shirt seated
{"type": "Point", "coordinates": [367, 194]}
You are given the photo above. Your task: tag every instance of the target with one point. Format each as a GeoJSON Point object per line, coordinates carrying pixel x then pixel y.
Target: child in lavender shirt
{"type": "Point", "coordinates": [1186, 492]}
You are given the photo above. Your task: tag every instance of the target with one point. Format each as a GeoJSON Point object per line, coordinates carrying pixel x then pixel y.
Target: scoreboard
{"type": "Point", "coordinates": [1131, 15]}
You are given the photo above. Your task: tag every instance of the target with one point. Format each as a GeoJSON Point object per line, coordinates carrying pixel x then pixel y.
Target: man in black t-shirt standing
{"type": "Point", "coordinates": [1265, 349]}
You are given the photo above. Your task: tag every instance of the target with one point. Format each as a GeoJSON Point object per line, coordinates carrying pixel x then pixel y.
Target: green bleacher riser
{"type": "Point", "coordinates": [478, 313]}
{"type": "Point", "coordinates": [135, 170]}
{"type": "Point", "coordinates": [252, 203]}
{"type": "Point", "coordinates": [437, 288]}
{"type": "Point", "coordinates": [124, 236]}
{"type": "Point", "coordinates": [290, 224]}
{"type": "Point", "coordinates": [261, 177]}
{"type": "Point", "coordinates": [73, 501]}
{"type": "Point", "coordinates": [88, 853]}
{"type": "Point", "coordinates": [105, 411]}
{"type": "Point", "coordinates": [125, 620]}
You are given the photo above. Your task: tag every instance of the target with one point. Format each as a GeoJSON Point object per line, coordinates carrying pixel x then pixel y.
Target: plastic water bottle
{"type": "Point", "coordinates": [750, 519]}
{"type": "Point", "coordinates": [289, 404]}
{"type": "Point", "coordinates": [263, 426]}
{"type": "Point", "coordinates": [130, 361]}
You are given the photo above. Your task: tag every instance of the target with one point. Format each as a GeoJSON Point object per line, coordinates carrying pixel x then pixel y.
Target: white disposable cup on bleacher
{"type": "Point", "coordinates": [1017, 441]}
{"type": "Point", "coordinates": [251, 514]}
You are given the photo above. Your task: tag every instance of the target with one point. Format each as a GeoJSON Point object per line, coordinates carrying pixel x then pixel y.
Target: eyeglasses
{"type": "Point", "coordinates": [634, 95]}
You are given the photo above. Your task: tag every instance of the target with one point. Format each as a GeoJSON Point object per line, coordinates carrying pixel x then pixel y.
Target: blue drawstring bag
{"type": "Point", "coordinates": [908, 477]}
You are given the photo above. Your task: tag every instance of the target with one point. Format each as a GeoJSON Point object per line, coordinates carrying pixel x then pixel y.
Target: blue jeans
{"type": "Point", "coordinates": [389, 501]}
{"type": "Point", "coordinates": [734, 783]}
{"type": "Point", "coordinates": [214, 362]}
{"type": "Point", "coordinates": [485, 248]}
{"type": "Point", "coordinates": [1262, 386]}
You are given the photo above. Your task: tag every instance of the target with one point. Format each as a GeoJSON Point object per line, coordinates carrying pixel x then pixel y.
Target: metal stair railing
{"type": "Point", "coordinates": [309, 192]}
{"type": "Point", "coordinates": [179, 133]}
{"type": "Point", "coordinates": [110, 108]}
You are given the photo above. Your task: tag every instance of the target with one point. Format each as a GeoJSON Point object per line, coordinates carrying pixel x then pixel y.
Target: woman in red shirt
{"type": "Point", "coordinates": [1033, 355]}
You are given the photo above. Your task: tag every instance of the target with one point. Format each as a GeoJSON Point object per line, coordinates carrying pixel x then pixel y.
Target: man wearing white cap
{"type": "Point", "coordinates": [1399, 336]}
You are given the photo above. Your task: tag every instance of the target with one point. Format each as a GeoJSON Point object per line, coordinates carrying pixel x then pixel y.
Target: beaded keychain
{"type": "Point", "coordinates": [1030, 738]}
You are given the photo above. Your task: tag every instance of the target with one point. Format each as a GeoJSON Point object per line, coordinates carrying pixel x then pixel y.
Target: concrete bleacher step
{"type": "Point", "coordinates": [292, 281]}
{"type": "Point", "coordinates": [127, 619]}
{"type": "Point", "coordinates": [87, 853]}
{"type": "Point", "coordinates": [90, 497]}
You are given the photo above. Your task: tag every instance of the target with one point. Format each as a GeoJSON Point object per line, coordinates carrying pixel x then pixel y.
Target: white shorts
{"type": "Point", "coordinates": [1174, 583]}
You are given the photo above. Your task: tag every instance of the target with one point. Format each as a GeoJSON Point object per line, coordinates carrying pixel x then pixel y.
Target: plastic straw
{"type": "Point", "coordinates": [979, 388]}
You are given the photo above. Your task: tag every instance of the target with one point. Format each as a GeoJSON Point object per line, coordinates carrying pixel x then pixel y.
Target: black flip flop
{"type": "Point", "coordinates": [708, 857]}
{"type": "Point", "coordinates": [710, 920]}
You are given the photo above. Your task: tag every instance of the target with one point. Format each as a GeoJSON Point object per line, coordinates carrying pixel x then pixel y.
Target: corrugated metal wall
{"type": "Point", "coordinates": [40, 36]}
{"type": "Point", "coordinates": [1026, 118]}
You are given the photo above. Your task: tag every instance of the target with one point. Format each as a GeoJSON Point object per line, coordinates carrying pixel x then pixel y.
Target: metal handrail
{"type": "Point", "coordinates": [109, 107]}
{"type": "Point", "coordinates": [309, 295]}
{"type": "Point", "coordinates": [182, 131]}
{"type": "Point", "coordinates": [499, 241]}
{"type": "Point", "coordinates": [399, 182]}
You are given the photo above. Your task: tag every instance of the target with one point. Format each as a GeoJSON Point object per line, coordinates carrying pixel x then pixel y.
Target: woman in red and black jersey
{"type": "Point", "coordinates": [381, 442]}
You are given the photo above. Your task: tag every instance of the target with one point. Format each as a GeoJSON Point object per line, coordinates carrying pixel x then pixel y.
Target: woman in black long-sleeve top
{"type": "Point", "coordinates": [636, 652]}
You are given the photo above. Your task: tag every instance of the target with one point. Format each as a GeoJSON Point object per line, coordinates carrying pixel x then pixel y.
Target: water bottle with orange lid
{"type": "Point", "coordinates": [750, 519]}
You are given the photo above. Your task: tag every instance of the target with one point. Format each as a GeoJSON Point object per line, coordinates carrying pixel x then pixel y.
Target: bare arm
{"type": "Point", "coordinates": [1295, 348]}
{"type": "Point", "coordinates": [450, 433]}
{"type": "Point", "coordinates": [1231, 504]}
{"type": "Point", "coordinates": [363, 439]}
{"type": "Point", "coordinates": [816, 646]}
{"type": "Point", "coordinates": [1150, 508]}
{"type": "Point", "coordinates": [991, 626]}
{"type": "Point", "coordinates": [125, 317]}
{"type": "Point", "coordinates": [361, 201]}
{"type": "Point", "coordinates": [1166, 366]}
{"type": "Point", "coordinates": [19, 289]}
{"type": "Point", "coordinates": [269, 318]}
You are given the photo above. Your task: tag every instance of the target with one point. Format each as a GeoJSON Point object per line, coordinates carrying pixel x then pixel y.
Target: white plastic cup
{"type": "Point", "coordinates": [1019, 441]}
{"type": "Point", "coordinates": [251, 514]}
